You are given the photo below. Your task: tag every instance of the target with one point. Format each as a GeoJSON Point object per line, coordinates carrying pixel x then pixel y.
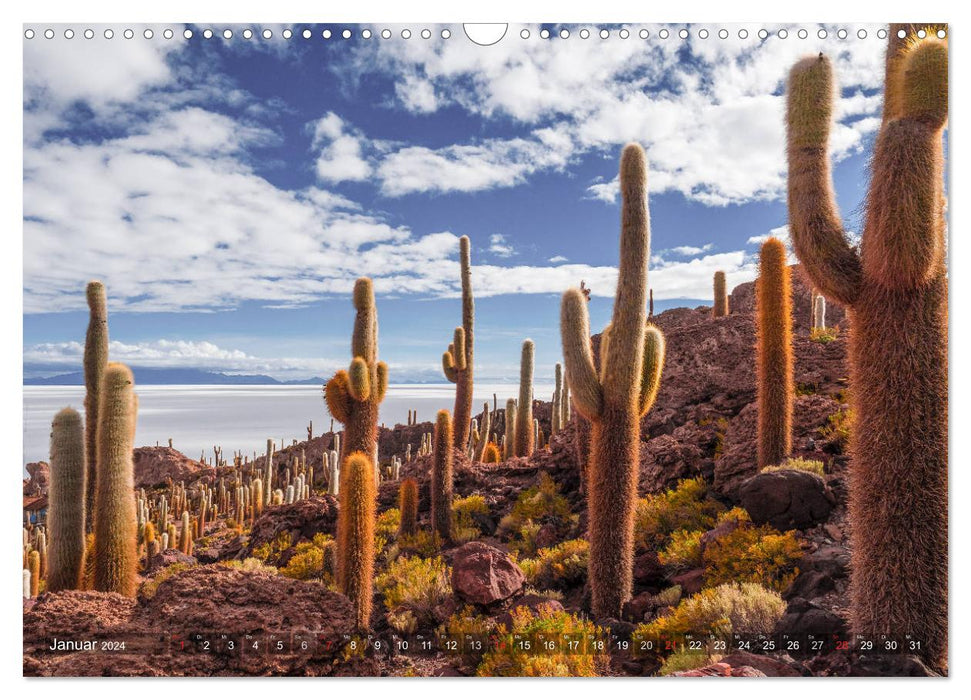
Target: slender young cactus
{"type": "Point", "coordinates": [483, 440]}
{"type": "Point", "coordinates": [773, 356]}
{"type": "Point", "coordinates": [510, 437]}
{"type": "Point", "coordinates": [33, 565]}
{"type": "Point", "coordinates": [355, 535]}
{"type": "Point", "coordinates": [441, 486]}
{"type": "Point", "coordinates": [524, 411]}
{"type": "Point", "coordinates": [819, 312]}
{"type": "Point", "coordinates": [556, 413]}
{"type": "Point", "coordinates": [67, 501]}
{"type": "Point", "coordinates": [895, 289]}
{"type": "Point", "coordinates": [720, 307]}
{"type": "Point", "coordinates": [457, 360]}
{"type": "Point", "coordinates": [95, 362]}
{"type": "Point", "coordinates": [408, 505]}
{"type": "Point", "coordinates": [116, 525]}
{"type": "Point", "coordinates": [354, 395]}
{"type": "Point", "coordinates": [615, 401]}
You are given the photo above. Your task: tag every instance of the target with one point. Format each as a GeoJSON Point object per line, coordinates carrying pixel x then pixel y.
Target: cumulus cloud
{"type": "Point", "coordinates": [340, 152]}
{"type": "Point", "coordinates": [499, 246]}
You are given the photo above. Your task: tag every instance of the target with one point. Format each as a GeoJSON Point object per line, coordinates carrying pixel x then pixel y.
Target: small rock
{"type": "Point", "coordinates": [168, 557]}
{"type": "Point", "coordinates": [639, 607]}
{"type": "Point", "coordinates": [768, 665]}
{"type": "Point", "coordinates": [786, 499]}
{"type": "Point", "coordinates": [833, 531]}
{"type": "Point", "coordinates": [648, 569]}
{"type": "Point", "coordinates": [691, 581]}
{"type": "Point", "coordinates": [484, 575]}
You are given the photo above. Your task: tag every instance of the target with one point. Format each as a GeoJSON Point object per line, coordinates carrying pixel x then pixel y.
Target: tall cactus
{"type": "Point", "coordinates": [557, 399]}
{"type": "Point", "coordinates": [95, 361]}
{"type": "Point", "coordinates": [457, 360]}
{"type": "Point", "coordinates": [819, 311]}
{"type": "Point", "coordinates": [720, 289]}
{"type": "Point", "coordinates": [355, 534]}
{"type": "Point", "coordinates": [773, 356]}
{"type": "Point", "coordinates": [524, 411]}
{"type": "Point", "coordinates": [615, 401]}
{"type": "Point", "coordinates": [510, 435]}
{"type": "Point", "coordinates": [67, 501]}
{"type": "Point", "coordinates": [353, 395]}
{"type": "Point", "coordinates": [116, 525]}
{"type": "Point", "coordinates": [441, 486]}
{"type": "Point", "coordinates": [895, 289]}
{"type": "Point", "coordinates": [408, 505]}
{"type": "Point", "coordinates": [483, 440]}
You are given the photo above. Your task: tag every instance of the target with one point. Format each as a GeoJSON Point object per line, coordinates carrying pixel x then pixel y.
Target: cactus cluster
{"type": "Point", "coordinates": [632, 356]}
{"type": "Point", "coordinates": [894, 283]}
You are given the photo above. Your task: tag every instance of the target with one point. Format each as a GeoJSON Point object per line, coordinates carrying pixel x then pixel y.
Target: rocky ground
{"type": "Point", "coordinates": [703, 425]}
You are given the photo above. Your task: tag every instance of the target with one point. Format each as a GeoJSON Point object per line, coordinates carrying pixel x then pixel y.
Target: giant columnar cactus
{"type": "Point", "coordinates": [819, 312]}
{"type": "Point", "coordinates": [457, 360]}
{"type": "Point", "coordinates": [523, 446]}
{"type": "Point", "coordinates": [615, 401]}
{"type": "Point", "coordinates": [509, 443]}
{"type": "Point", "coordinates": [895, 289]}
{"type": "Point", "coordinates": [353, 395]}
{"type": "Point", "coordinates": [355, 534]}
{"type": "Point", "coordinates": [67, 502]}
{"type": "Point", "coordinates": [773, 355]}
{"type": "Point", "coordinates": [557, 400]}
{"type": "Point", "coordinates": [441, 485]}
{"type": "Point", "coordinates": [720, 307]}
{"type": "Point", "coordinates": [408, 505]}
{"type": "Point", "coordinates": [95, 361]}
{"type": "Point", "coordinates": [116, 525]}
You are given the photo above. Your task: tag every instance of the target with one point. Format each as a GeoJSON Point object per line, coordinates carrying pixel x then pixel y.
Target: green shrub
{"type": "Point", "coordinates": [464, 526]}
{"type": "Point", "coordinates": [467, 622]}
{"type": "Point", "coordinates": [753, 554]}
{"type": "Point", "coordinates": [684, 660]}
{"type": "Point", "coordinates": [424, 543]}
{"type": "Point", "coordinates": [561, 567]}
{"type": "Point", "coordinates": [685, 507]}
{"type": "Point", "coordinates": [728, 608]}
{"type": "Point", "coordinates": [508, 660]}
{"type": "Point", "coordinates": [824, 335]}
{"type": "Point", "coordinates": [536, 506]}
{"type": "Point", "coordinates": [837, 430]}
{"type": "Point", "coordinates": [250, 564]}
{"type": "Point", "coordinates": [386, 529]}
{"type": "Point", "coordinates": [312, 560]}
{"type": "Point", "coordinates": [805, 465]}
{"type": "Point", "coordinates": [683, 551]}
{"type": "Point", "coordinates": [669, 597]}
{"type": "Point", "coordinates": [269, 552]}
{"type": "Point", "coordinates": [413, 588]}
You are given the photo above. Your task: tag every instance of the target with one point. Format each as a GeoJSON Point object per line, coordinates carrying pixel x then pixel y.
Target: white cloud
{"type": "Point", "coordinates": [780, 232]}
{"type": "Point", "coordinates": [558, 259]}
{"type": "Point", "coordinates": [685, 250]}
{"type": "Point", "coordinates": [499, 246]}
{"type": "Point", "coordinates": [340, 156]}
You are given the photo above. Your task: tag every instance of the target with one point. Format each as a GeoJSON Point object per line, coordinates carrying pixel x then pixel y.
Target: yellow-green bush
{"type": "Point", "coordinates": [464, 526]}
{"type": "Point", "coordinates": [837, 429]}
{"type": "Point", "coordinates": [562, 566]}
{"type": "Point", "coordinates": [466, 621]}
{"type": "Point", "coordinates": [753, 554]}
{"type": "Point", "coordinates": [312, 560]}
{"type": "Point", "coordinates": [413, 588]}
{"type": "Point", "coordinates": [806, 465]}
{"type": "Point", "coordinates": [536, 506]}
{"type": "Point", "coordinates": [424, 543]}
{"type": "Point", "coordinates": [685, 507]}
{"type": "Point", "coordinates": [728, 608]}
{"type": "Point", "coordinates": [510, 661]}
{"type": "Point", "coordinates": [150, 586]}
{"type": "Point", "coordinates": [824, 335]}
{"type": "Point", "coordinates": [684, 660]}
{"type": "Point", "coordinates": [386, 529]}
{"type": "Point", "coordinates": [269, 552]}
{"type": "Point", "coordinates": [250, 564]}
{"type": "Point", "coordinates": [683, 551]}
{"type": "Point", "coordinates": [669, 597]}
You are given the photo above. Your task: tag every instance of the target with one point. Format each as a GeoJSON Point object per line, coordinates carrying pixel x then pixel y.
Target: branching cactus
{"type": "Point", "coordinates": [408, 505]}
{"type": "Point", "coordinates": [354, 395]}
{"type": "Point", "coordinates": [67, 501]}
{"type": "Point", "coordinates": [441, 484]}
{"type": "Point", "coordinates": [895, 289]}
{"type": "Point", "coordinates": [116, 525]}
{"type": "Point", "coordinates": [615, 401]}
{"type": "Point", "coordinates": [523, 445]}
{"type": "Point", "coordinates": [720, 288]}
{"type": "Point", "coordinates": [773, 356]}
{"type": "Point", "coordinates": [457, 360]}
{"type": "Point", "coordinates": [95, 361]}
{"type": "Point", "coordinates": [355, 534]}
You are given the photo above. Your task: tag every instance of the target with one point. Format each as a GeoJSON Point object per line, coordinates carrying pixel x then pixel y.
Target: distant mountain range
{"type": "Point", "coordinates": [147, 375]}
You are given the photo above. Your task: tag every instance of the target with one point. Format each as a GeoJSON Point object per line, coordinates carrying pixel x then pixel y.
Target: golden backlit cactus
{"type": "Point", "coordinates": [116, 523]}
{"type": "Point", "coordinates": [720, 290]}
{"type": "Point", "coordinates": [491, 454]}
{"type": "Point", "coordinates": [894, 287]}
{"type": "Point", "coordinates": [615, 400]}
{"type": "Point", "coordinates": [95, 362]}
{"type": "Point", "coordinates": [441, 483]}
{"type": "Point", "coordinates": [67, 496]}
{"type": "Point", "coordinates": [354, 395]}
{"type": "Point", "coordinates": [773, 354]}
{"type": "Point", "coordinates": [458, 359]}
{"type": "Point", "coordinates": [524, 438]}
{"type": "Point", "coordinates": [408, 506]}
{"type": "Point", "coordinates": [509, 441]}
{"type": "Point", "coordinates": [355, 535]}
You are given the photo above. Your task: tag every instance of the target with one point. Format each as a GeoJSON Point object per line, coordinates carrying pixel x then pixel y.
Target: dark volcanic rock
{"type": "Point", "coordinates": [721, 669]}
{"type": "Point", "coordinates": [786, 499]}
{"type": "Point", "coordinates": [156, 466]}
{"type": "Point", "coordinates": [483, 575]}
{"type": "Point", "coordinates": [769, 665]}
{"type": "Point", "coordinates": [302, 519]}
{"type": "Point", "coordinates": [166, 558]}
{"type": "Point", "coordinates": [803, 617]}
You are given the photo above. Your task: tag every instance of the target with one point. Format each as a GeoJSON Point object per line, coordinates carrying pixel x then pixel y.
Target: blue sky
{"type": "Point", "coordinates": [229, 191]}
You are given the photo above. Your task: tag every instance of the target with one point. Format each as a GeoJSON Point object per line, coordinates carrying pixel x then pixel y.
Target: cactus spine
{"type": "Point", "coordinates": [523, 446]}
{"type": "Point", "coordinates": [895, 289]}
{"type": "Point", "coordinates": [720, 307]}
{"type": "Point", "coordinates": [353, 395]}
{"type": "Point", "coordinates": [457, 360]}
{"type": "Point", "coordinates": [355, 534]}
{"type": "Point", "coordinates": [774, 363]}
{"type": "Point", "coordinates": [441, 486]}
{"type": "Point", "coordinates": [408, 505]}
{"type": "Point", "coordinates": [116, 525]}
{"type": "Point", "coordinates": [67, 501]}
{"type": "Point", "coordinates": [95, 362]}
{"type": "Point", "coordinates": [615, 401]}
